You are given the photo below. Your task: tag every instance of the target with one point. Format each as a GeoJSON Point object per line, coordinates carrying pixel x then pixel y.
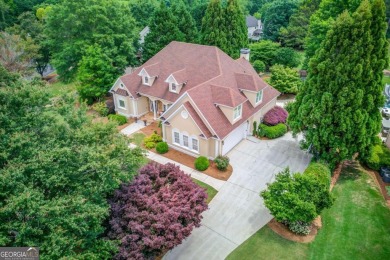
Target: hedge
{"type": "Point", "coordinates": [272, 132]}
{"type": "Point", "coordinates": [162, 147]}
{"type": "Point", "coordinates": [202, 163]}
{"type": "Point", "coordinates": [121, 120]}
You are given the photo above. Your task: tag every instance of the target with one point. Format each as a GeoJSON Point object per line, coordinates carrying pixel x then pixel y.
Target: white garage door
{"type": "Point", "coordinates": [234, 138]}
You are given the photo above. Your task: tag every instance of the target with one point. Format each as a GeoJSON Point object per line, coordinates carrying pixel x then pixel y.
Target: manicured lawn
{"type": "Point", "coordinates": [266, 244]}
{"type": "Point", "coordinates": [356, 227]}
{"type": "Point", "coordinates": [210, 190]}
{"type": "Point", "coordinates": [59, 88]}
{"type": "Point", "coordinates": [386, 80]}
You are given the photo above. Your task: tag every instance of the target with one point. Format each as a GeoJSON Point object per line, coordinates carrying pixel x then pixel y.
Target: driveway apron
{"type": "Point", "coordinates": [237, 211]}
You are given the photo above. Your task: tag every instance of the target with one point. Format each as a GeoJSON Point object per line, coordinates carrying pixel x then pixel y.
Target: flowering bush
{"type": "Point", "coordinates": [155, 212]}
{"type": "Point", "coordinates": [275, 116]}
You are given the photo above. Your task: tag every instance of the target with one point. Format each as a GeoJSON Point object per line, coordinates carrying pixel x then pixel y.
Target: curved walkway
{"type": "Point", "coordinates": [237, 211]}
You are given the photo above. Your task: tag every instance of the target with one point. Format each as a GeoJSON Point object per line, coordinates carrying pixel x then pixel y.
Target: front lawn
{"type": "Point", "coordinates": [211, 192]}
{"type": "Point", "coordinates": [355, 227]}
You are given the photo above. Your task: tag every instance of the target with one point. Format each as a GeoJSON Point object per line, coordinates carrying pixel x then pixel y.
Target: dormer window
{"type": "Point", "coordinates": [259, 96]}
{"type": "Point", "coordinates": [121, 86]}
{"type": "Point", "coordinates": [172, 87]}
{"type": "Point", "coordinates": [237, 112]}
{"type": "Point", "coordinates": [145, 80]}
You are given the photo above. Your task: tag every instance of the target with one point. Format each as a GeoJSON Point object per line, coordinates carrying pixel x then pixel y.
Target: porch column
{"type": "Point", "coordinates": [154, 110]}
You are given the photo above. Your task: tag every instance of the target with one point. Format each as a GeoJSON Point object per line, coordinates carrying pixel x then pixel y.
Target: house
{"type": "Point", "coordinates": [207, 101]}
{"type": "Point", "coordinates": [255, 27]}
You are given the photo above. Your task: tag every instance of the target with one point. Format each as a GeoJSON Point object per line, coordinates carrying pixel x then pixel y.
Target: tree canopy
{"type": "Point", "coordinates": [73, 25]}
{"type": "Point", "coordinates": [338, 107]}
{"type": "Point", "coordinates": [57, 169]}
{"type": "Point", "coordinates": [156, 211]}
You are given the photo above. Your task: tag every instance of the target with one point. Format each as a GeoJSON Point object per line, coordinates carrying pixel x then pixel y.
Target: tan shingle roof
{"type": "Point", "coordinates": [226, 96]}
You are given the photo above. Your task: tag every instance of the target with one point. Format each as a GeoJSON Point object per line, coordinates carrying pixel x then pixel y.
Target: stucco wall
{"type": "Point", "coordinates": [128, 110]}
{"type": "Point", "coordinates": [142, 105]}
{"type": "Point", "coordinates": [188, 127]}
{"type": "Point", "coordinates": [228, 113]}
{"type": "Point", "coordinates": [256, 117]}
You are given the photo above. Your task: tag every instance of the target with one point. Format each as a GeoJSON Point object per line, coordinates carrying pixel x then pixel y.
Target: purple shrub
{"type": "Point", "coordinates": [155, 212]}
{"type": "Point", "coordinates": [275, 116]}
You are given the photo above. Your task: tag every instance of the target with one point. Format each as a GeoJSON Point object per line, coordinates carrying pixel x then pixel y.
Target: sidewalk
{"type": "Point", "coordinates": [215, 183]}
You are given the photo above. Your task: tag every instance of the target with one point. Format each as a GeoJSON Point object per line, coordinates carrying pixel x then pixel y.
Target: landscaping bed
{"type": "Point", "coordinates": [188, 161]}
{"type": "Point", "coordinates": [355, 227]}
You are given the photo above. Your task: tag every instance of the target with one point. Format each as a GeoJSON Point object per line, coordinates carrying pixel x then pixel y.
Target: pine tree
{"type": "Point", "coordinates": [336, 109]}
{"type": "Point", "coordinates": [163, 30]}
{"type": "Point", "coordinates": [185, 22]}
{"type": "Point", "coordinates": [235, 29]}
{"type": "Point", "coordinates": [212, 32]}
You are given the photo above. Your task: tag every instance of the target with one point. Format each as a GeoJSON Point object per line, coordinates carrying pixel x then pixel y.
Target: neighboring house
{"type": "Point", "coordinates": [207, 101]}
{"type": "Point", "coordinates": [255, 28]}
{"type": "Point", "coordinates": [143, 34]}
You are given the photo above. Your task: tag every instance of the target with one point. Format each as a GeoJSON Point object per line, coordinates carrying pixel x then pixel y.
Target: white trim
{"type": "Point", "coordinates": [171, 81]}
{"type": "Point", "coordinates": [144, 73]}
{"type": "Point", "coordinates": [186, 151]}
{"type": "Point", "coordinates": [155, 98]}
{"type": "Point", "coordinates": [113, 86]}
{"type": "Point", "coordinates": [119, 103]}
{"type": "Point", "coordinates": [177, 111]}
{"type": "Point", "coordinates": [261, 99]}
{"type": "Point", "coordinates": [239, 116]}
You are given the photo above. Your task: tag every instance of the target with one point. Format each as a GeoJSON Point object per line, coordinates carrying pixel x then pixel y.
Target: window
{"type": "Point", "coordinates": [122, 103]}
{"type": "Point", "coordinates": [177, 137]}
{"type": "Point", "coordinates": [146, 80]}
{"type": "Point", "coordinates": [237, 112]}
{"type": "Point", "coordinates": [195, 144]}
{"type": "Point", "coordinates": [185, 141]}
{"type": "Point", "coordinates": [121, 86]}
{"type": "Point", "coordinates": [173, 87]}
{"type": "Point", "coordinates": [259, 96]}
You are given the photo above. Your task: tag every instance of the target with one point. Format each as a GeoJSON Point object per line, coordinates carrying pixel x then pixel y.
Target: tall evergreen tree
{"type": "Point", "coordinates": [185, 22]}
{"type": "Point", "coordinates": [338, 107]}
{"type": "Point", "coordinates": [163, 30]}
{"type": "Point", "coordinates": [212, 32]}
{"type": "Point", "coordinates": [235, 29]}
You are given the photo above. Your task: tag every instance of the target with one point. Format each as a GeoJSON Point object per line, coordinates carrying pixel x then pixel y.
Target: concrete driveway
{"type": "Point", "coordinates": [237, 211]}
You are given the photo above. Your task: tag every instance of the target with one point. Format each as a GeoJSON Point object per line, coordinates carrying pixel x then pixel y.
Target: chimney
{"type": "Point", "coordinates": [244, 53]}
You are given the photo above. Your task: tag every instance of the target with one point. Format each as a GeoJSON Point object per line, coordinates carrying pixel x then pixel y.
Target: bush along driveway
{"type": "Point", "coordinates": [237, 211]}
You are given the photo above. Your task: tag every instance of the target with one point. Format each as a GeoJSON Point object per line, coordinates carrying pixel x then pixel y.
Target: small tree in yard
{"type": "Point", "coordinates": [275, 116]}
{"type": "Point", "coordinates": [155, 212]}
{"type": "Point", "coordinates": [285, 79]}
{"type": "Point", "coordinates": [297, 198]}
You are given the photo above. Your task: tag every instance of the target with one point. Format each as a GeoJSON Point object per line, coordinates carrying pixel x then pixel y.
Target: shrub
{"type": "Point", "coordinates": [144, 217]}
{"type": "Point", "coordinates": [272, 132]}
{"type": "Point", "coordinates": [288, 57]}
{"type": "Point", "coordinates": [259, 66]}
{"type": "Point", "coordinates": [275, 116]}
{"type": "Point", "coordinates": [222, 162]}
{"type": "Point", "coordinates": [289, 106]}
{"type": "Point", "coordinates": [101, 108]}
{"type": "Point", "coordinates": [110, 106]}
{"type": "Point", "coordinates": [379, 156]}
{"type": "Point", "coordinates": [285, 79]}
{"type": "Point", "coordinates": [121, 120]}
{"type": "Point", "coordinates": [150, 145]}
{"type": "Point", "coordinates": [202, 163]}
{"type": "Point", "coordinates": [162, 147]}
{"type": "Point", "coordinates": [299, 227]}
{"type": "Point", "coordinates": [303, 197]}
{"type": "Point", "coordinates": [320, 171]}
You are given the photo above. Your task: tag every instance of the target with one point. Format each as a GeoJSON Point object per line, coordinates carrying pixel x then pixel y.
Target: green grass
{"type": "Point", "coordinates": [138, 138]}
{"type": "Point", "coordinates": [266, 244]}
{"type": "Point", "coordinates": [60, 88]}
{"type": "Point", "coordinates": [355, 227]}
{"type": "Point", "coordinates": [211, 192]}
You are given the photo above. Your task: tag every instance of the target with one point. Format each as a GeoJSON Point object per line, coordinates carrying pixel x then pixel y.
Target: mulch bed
{"type": "Point", "coordinates": [148, 130]}
{"type": "Point", "coordinates": [284, 232]}
{"type": "Point", "coordinates": [189, 161]}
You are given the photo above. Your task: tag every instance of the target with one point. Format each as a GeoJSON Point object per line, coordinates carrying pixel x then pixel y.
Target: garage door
{"type": "Point", "coordinates": [234, 138]}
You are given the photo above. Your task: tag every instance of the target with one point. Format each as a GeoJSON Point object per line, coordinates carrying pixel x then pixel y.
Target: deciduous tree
{"type": "Point", "coordinates": [57, 169]}
{"type": "Point", "coordinates": [285, 79]}
{"type": "Point", "coordinates": [73, 25]}
{"type": "Point", "coordinates": [156, 211]}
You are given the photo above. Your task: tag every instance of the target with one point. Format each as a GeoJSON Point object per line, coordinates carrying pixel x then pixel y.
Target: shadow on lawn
{"type": "Point", "coordinates": [351, 171]}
